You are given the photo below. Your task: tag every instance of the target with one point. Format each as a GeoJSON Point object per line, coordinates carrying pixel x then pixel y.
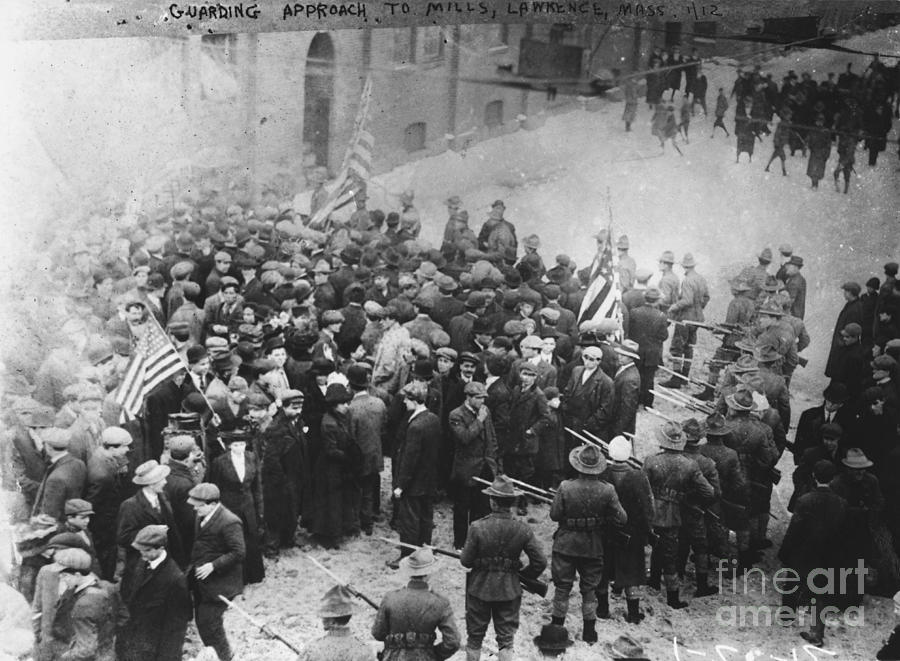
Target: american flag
{"type": "Point", "coordinates": [601, 300]}
{"type": "Point", "coordinates": [357, 164]}
{"type": "Point", "coordinates": [153, 361]}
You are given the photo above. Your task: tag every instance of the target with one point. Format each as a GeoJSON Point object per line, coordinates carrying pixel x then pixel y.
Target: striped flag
{"type": "Point", "coordinates": [153, 361]}
{"type": "Point", "coordinates": [356, 167]}
{"type": "Point", "coordinates": [601, 300]}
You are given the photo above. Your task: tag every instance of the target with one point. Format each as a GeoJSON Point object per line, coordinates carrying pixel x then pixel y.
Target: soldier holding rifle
{"type": "Point", "coordinates": [493, 590]}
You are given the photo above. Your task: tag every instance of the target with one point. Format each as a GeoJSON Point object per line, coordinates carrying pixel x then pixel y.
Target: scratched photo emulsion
{"type": "Point", "coordinates": [465, 329]}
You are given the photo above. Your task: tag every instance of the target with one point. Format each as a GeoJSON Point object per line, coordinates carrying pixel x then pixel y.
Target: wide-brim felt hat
{"type": "Point", "coordinates": [502, 487]}
{"type": "Point", "coordinates": [553, 638]}
{"type": "Point", "coordinates": [587, 459]}
{"type": "Point", "coordinates": [419, 563]}
{"type": "Point", "coordinates": [741, 400]}
{"type": "Point", "coordinates": [856, 458]}
{"type": "Point", "coordinates": [150, 472]}
{"type": "Point", "coordinates": [671, 436]}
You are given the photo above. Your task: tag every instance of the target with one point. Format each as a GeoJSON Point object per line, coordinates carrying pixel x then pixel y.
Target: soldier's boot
{"type": "Point", "coordinates": [673, 600]}
{"type": "Point", "coordinates": [473, 655]}
{"type": "Point", "coordinates": [707, 395]}
{"type": "Point", "coordinates": [589, 634]}
{"type": "Point", "coordinates": [634, 611]}
{"type": "Point", "coordinates": [603, 605]}
{"type": "Point", "coordinates": [704, 589]}
{"type": "Point", "coordinates": [673, 383]}
{"type": "Point", "coordinates": [558, 621]}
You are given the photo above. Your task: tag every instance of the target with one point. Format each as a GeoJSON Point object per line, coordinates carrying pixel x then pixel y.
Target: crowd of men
{"type": "Point", "coordinates": [837, 112]}
{"type": "Point", "coordinates": [311, 356]}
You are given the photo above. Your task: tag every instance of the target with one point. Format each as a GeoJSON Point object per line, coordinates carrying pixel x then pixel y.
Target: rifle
{"type": "Point", "coordinates": [716, 329]}
{"type": "Point", "coordinates": [653, 411]}
{"type": "Point", "coordinates": [262, 627]}
{"type": "Point", "coordinates": [532, 585]}
{"type": "Point", "coordinates": [697, 382]}
{"type": "Point", "coordinates": [356, 593]}
{"type": "Point", "coordinates": [681, 403]}
{"type": "Point", "coordinates": [542, 497]}
{"type": "Point", "coordinates": [632, 461]}
{"type": "Point", "coordinates": [536, 489]}
{"type": "Point", "coordinates": [700, 405]}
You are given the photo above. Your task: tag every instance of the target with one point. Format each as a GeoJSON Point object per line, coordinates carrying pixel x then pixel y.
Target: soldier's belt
{"type": "Point", "coordinates": [409, 640]}
{"type": "Point", "coordinates": [497, 563]}
{"type": "Point", "coordinates": [583, 524]}
{"type": "Point", "coordinates": [669, 495]}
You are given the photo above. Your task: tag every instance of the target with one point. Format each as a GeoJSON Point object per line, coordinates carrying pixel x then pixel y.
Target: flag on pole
{"type": "Point", "coordinates": [356, 168]}
{"type": "Point", "coordinates": [601, 300]}
{"type": "Point", "coordinates": [153, 360]}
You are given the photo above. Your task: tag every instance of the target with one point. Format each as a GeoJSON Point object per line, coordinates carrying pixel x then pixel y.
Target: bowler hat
{"type": "Point", "coordinates": [151, 537]}
{"type": "Point", "coordinates": [358, 375]}
{"type": "Point", "coordinates": [587, 459]}
{"type": "Point", "coordinates": [502, 487]}
{"type": "Point", "coordinates": [423, 369]}
{"type": "Point", "coordinates": [852, 330]}
{"type": "Point", "coordinates": [150, 472]}
{"type": "Point", "coordinates": [670, 435]}
{"type": "Point", "coordinates": [891, 268]}
{"type": "Point", "coordinates": [796, 261]}
{"type": "Point", "coordinates": [337, 602]}
{"type": "Point", "coordinates": [420, 562]}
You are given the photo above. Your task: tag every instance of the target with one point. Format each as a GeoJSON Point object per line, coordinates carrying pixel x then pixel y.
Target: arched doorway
{"type": "Point", "coordinates": [319, 94]}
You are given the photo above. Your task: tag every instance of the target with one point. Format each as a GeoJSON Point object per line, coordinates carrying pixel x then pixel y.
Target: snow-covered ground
{"type": "Point", "coordinates": [554, 182]}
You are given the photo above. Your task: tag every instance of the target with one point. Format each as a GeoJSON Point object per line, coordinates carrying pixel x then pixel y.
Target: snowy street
{"type": "Point", "coordinates": [554, 183]}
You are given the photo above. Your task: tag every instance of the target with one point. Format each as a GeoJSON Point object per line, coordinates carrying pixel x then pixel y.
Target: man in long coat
{"type": "Point", "coordinates": [475, 455]}
{"type": "Point", "coordinates": [626, 391]}
{"type": "Point", "coordinates": [159, 608]}
{"type": "Point", "coordinates": [368, 421]}
{"type": "Point", "coordinates": [587, 399]}
{"type": "Point", "coordinates": [64, 478]}
{"type": "Point", "coordinates": [851, 313]}
{"type": "Point", "coordinates": [649, 327]}
{"type": "Point", "coordinates": [286, 474]}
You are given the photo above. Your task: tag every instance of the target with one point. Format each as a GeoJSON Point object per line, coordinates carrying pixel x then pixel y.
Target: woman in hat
{"type": "Point", "coordinates": [237, 474]}
{"type": "Point", "coordinates": [337, 497]}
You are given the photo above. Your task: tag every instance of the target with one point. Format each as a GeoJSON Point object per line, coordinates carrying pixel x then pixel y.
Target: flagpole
{"type": "Point", "coordinates": [184, 364]}
{"type": "Point", "coordinates": [617, 288]}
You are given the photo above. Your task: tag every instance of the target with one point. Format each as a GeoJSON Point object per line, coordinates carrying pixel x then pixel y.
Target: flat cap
{"type": "Point", "coordinates": [446, 352]}
{"type": "Point", "coordinates": [77, 506]}
{"type": "Point", "coordinates": [475, 388]}
{"type": "Point", "coordinates": [115, 436]}
{"type": "Point", "coordinates": [151, 537]}
{"type": "Point", "coordinates": [204, 492]}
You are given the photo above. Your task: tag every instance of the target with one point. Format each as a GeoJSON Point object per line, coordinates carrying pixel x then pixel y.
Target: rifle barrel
{"type": "Point", "coordinates": [262, 627]}
{"type": "Point", "coordinates": [352, 590]}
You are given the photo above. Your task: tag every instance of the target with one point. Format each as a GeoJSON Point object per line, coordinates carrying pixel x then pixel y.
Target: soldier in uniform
{"type": "Point", "coordinates": [648, 327]}
{"type": "Point", "coordinates": [338, 643]}
{"type": "Point", "coordinates": [735, 495]}
{"type": "Point", "coordinates": [625, 562]}
{"type": "Point", "coordinates": [668, 281]}
{"type": "Point", "coordinates": [741, 313]}
{"type": "Point", "coordinates": [755, 445]}
{"type": "Point", "coordinates": [627, 267]}
{"type": "Point", "coordinates": [692, 298]}
{"type": "Point", "coordinates": [583, 507]}
{"type": "Point", "coordinates": [407, 618]}
{"type": "Point", "coordinates": [693, 536]}
{"type": "Point", "coordinates": [492, 551]}
{"type": "Point", "coordinates": [672, 478]}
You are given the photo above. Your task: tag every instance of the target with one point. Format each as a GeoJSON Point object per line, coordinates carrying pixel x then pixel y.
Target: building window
{"type": "Point", "coordinates": [432, 40]}
{"type": "Point", "coordinates": [414, 137]}
{"type": "Point", "coordinates": [493, 114]}
{"type": "Point", "coordinates": [498, 36]}
{"type": "Point", "coordinates": [221, 47]}
{"type": "Point", "coordinates": [559, 31]}
{"type": "Point", "coordinates": [403, 45]}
